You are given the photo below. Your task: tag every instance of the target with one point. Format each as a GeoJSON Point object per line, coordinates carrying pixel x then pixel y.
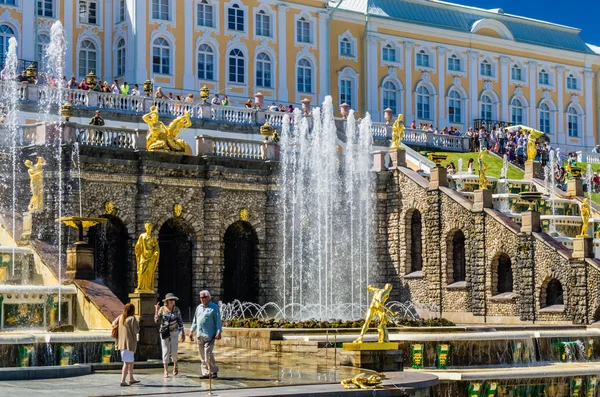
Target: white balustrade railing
{"type": "Point", "coordinates": [449, 142]}
{"type": "Point", "coordinates": [588, 157]}
{"type": "Point", "coordinates": [275, 119]}
{"type": "Point", "coordinates": [380, 131]}
{"type": "Point", "coordinates": [238, 149]}
{"type": "Point", "coordinates": [415, 137]}
{"type": "Point", "coordinates": [233, 115]}
{"type": "Point", "coordinates": [91, 135]}
{"type": "Point", "coordinates": [123, 103]}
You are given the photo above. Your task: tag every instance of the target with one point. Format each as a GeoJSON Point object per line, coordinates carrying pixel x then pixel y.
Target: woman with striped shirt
{"type": "Point", "coordinates": [171, 324]}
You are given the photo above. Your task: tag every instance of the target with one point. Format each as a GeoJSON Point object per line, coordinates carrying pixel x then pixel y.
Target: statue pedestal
{"type": "Point", "coordinates": [379, 161]}
{"type": "Point", "coordinates": [583, 247]}
{"type": "Point", "coordinates": [80, 262]}
{"type": "Point", "coordinates": [27, 226]}
{"type": "Point", "coordinates": [398, 157]}
{"type": "Point", "coordinates": [530, 222]}
{"type": "Point", "coordinates": [482, 199]}
{"type": "Point", "coordinates": [149, 340]}
{"type": "Point", "coordinates": [438, 177]}
{"type": "Point", "coordinates": [533, 169]}
{"type": "Point", "coordinates": [574, 188]}
{"type": "Point", "coordinates": [374, 356]}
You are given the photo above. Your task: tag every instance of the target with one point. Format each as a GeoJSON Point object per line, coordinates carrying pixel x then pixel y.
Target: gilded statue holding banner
{"type": "Point", "coordinates": [377, 308]}
{"type": "Point", "coordinates": [584, 210]}
{"type": "Point", "coordinates": [147, 253]}
{"type": "Point", "coordinates": [36, 183]}
{"type": "Point", "coordinates": [164, 139]}
{"type": "Point", "coordinates": [397, 133]}
{"type": "Point", "coordinates": [483, 181]}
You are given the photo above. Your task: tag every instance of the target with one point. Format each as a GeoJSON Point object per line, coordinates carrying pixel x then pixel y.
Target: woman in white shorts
{"type": "Point", "coordinates": [127, 341]}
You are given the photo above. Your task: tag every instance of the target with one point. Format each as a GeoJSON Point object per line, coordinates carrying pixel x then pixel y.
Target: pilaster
{"type": "Point", "coordinates": [588, 94]}
{"type": "Point", "coordinates": [473, 73]}
{"type": "Point", "coordinates": [533, 82]}
{"type": "Point", "coordinates": [559, 130]}
{"type": "Point", "coordinates": [189, 82]}
{"type": "Point", "coordinates": [268, 289]}
{"type": "Point", "coordinates": [442, 119]}
{"type": "Point", "coordinates": [578, 301]}
{"type": "Point", "coordinates": [525, 277]}
{"type": "Point", "coordinates": [372, 84]}
{"type": "Point", "coordinates": [324, 55]}
{"type": "Point", "coordinates": [282, 90]}
{"type": "Point", "coordinates": [432, 250]}
{"type": "Point", "coordinates": [504, 65]}
{"type": "Point", "coordinates": [28, 33]}
{"type": "Point", "coordinates": [69, 19]}
{"type": "Point", "coordinates": [139, 26]}
{"type": "Point", "coordinates": [211, 245]}
{"type": "Point", "coordinates": [476, 278]}
{"type": "Point", "coordinates": [408, 66]}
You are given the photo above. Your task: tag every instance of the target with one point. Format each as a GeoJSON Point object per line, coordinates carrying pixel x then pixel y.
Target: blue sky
{"type": "Point", "coordinates": [582, 14]}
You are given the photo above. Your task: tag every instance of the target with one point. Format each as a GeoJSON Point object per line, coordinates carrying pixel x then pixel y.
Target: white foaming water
{"type": "Point", "coordinates": [327, 217]}
{"type": "Point", "coordinates": [588, 177]}
{"type": "Point", "coordinates": [551, 193]}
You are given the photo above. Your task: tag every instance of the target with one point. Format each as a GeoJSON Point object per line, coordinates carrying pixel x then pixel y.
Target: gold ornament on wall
{"type": "Point", "coordinates": [178, 209]}
{"type": "Point", "coordinates": [244, 213]}
{"type": "Point", "coordinates": [109, 207]}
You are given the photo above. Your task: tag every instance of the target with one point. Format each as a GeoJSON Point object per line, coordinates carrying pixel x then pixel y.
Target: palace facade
{"type": "Point", "coordinates": [438, 63]}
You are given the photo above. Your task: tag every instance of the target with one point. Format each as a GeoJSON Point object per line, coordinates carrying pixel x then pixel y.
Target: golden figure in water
{"type": "Point", "coordinates": [164, 139]}
{"type": "Point", "coordinates": [584, 209]}
{"type": "Point", "coordinates": [397, 132]}
{"type": "Point", "coordinates": [362, 381]}
{"type": "Point", "coordinates": [36, 183]}
{"type": "Point", "coordinates": [377, 308]}
{"type": "Point", "coordinates": [483, 181]}
{"type": "Point", "coordinates": [147, 253]}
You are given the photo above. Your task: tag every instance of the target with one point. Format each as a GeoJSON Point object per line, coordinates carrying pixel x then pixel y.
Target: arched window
{"type": "Point", "coordinates": [545, 118]}
{"type": "Point", "coordinates": [346, 47]}
{"type": "Point", "coordinates": [486, 107]}
{"type": "Point", "coordinates": [423, 103]}
{"type": "Point", "coordinates": [454, 63]}
{"type": "Point", "coordinates": [423, 59]}
{"type": "Point", "coordinates": [263, 70]}
{"type": "Point", "coordinates": [543, 77]}
{"type": "Point", "coordinates": [6, 33]}
{"type": "Point", "coordinates": [572, 122]}
{"type": "Point", "coordinates": [571, 82]}
{"type": "Point", "coordinates": [389, 96]}
{"type": "Point", "coordinates": [485, 68]}
{"type": "Point", "coordinates": [304, 76]}
{"type": "Point", "coordinates": [388, 53]}
{"type": "Point", "coordinates": [42, 44]}
{"type": "Point", "coordinates": [504, 276]}
{"type": "Point", "coordinates": [236, 66]}
{"type": "Point", "coordinates": [206, 62]}
{"type": "Point", "coordinates": [416, 248]}
{"type": "Point", "coordinates": [161, 56]}
{"type": "Point", "coordinates": [554, 293]}
{"type": "Point", "coordinates": [516, 111]}
{"type": "Point", "coordinates": [459, 272]}
{"type": "Point", "coordinates": [454, 110]}
{"type": "Point", "coordinates": [121, 58]}
{"type": "Point", "coordinates": [87, 58]}
{"type": "Point", "coordinates": [516, 73]}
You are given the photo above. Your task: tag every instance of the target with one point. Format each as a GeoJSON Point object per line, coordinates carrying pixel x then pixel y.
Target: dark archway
{"type": "Point", "coordinates": [505, 274]}
{"type": "Point", "coordinates": [416, 242]}
{"type": "Point", "coordinates": [176, 242]}
{"type": "Point", "coordinates": [459, 271]}
{"type": "Point", "coordinates": [112, 259]}
{"type": "Point", "coordinates": [241, 263]}
{"type": "Point", "coordinates": [554, 293]}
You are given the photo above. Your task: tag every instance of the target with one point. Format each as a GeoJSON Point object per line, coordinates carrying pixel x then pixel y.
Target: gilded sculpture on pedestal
{"type": "Point", "coordinates": [164, 139]}
{"type": "Point", "coordinates": [483, 181]}
{"type": "Point", "coordinates": [377, 308]}
{"type": "Point", "coordinates": [36, 183]}
{"type": "Point", "coordinates": [362, 381]}
{"type": "Point", "coordinates": [147, 253]}
{"type": "Point", "coordinates": [397, 132]}
{"type": "Point", "coordinates": [584, 210]}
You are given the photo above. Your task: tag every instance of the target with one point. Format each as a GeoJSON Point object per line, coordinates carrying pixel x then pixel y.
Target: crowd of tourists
{"type": "Point", "coordinates": [206, 328]}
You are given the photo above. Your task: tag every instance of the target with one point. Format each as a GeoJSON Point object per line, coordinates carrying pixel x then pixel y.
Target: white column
{"type": "Point", "coordinates": [534, 123]}
{"type": "Point", "coordinates": [27, 39]}
{"type": "Point", "coordinates": [561, 136]}
{"type": "Point", "coordinates": [131, 62]}
{"type": "Point", "coordinates": [282, 91]}
{"type": "Point", "coordinates": [139, 36]}
{"type": "Point", "coordinates": [473, 76]}
{"type": "Point", "coordinates": [107, 51]}
{"type": "Point", "coordinates": [504, 64]}
{"type": "Point", "coordinates": [189, 82]}
{"type": "Point", "coordinates": [441, 65]}
{"type": "Point", "coordinates": [323, 56]}
{"type": "Point", "coordinates": [69, 6]}
{"type": "Point", "coordinates": [588, 93]}
{"type": "Point", "coordinates": [408, 67]}
{"type": "Point", "coordinates": [372, 104]}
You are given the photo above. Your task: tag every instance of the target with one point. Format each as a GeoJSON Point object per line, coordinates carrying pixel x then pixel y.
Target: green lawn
{"type": "Point", "coordinates": [493, 162]}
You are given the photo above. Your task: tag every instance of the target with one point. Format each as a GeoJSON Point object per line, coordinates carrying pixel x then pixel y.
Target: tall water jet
{"type": "Point", "coordinates": [327, 218]}
{"type": "Point", "coordinates": [552, 194]}
{"type": "Point", "coordinates": [590, 180]}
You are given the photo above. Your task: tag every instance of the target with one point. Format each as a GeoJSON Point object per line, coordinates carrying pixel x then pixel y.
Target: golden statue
{"type": "Point", "coordinates": [36, 182]}
{"type": "Point", "coordinates": [377, 308]}
{"type": "Point", "coordinates": [164, 139]}
{"type": "Point", "coordinates": [483, 181]}
{"type": "Point", "coordinates": [584, 210]}
{"type": "Point", "coordinates": [531, 141]}
{"type": "Point", "coordinates": [147, 253]}
{"type": "Point", "coordinates": [362, 381]}
{"type": "Point", "coordinates": [397, 133]}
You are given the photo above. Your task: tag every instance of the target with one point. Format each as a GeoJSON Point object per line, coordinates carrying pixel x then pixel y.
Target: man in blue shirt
{"type": "Point", "coordinates": [207, 324]}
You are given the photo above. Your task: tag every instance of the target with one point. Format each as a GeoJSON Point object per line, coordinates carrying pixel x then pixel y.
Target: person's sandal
{"type": "Point", "coordinates": [124, 384]}
{"type": "Point", "coordinates": [166, 375]}
{"type": "Point", "coordinates": [175, 370]}
{"type": "Point", "coordinates": [133, 382]}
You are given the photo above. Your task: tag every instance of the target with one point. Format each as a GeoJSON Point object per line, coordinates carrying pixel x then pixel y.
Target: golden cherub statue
{"type": "Point", "coordinates": [483, 181]}
{"type": "Point", "coordinates": [36, 183]}
{"type": "Point", "coordinates": [532, 143]}
{"type": "Point", "coordinates": [397, 133]}
{"type": "Point", "coordinates": [377, 308]}
{"type": "Point", "coordinates": [584, 210]}
{"type": "Point", "coordinates": [164, 139]}
{"type": "Point", "coordinates": [147, 253]}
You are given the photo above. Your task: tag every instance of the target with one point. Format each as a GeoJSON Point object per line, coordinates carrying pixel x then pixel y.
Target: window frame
{"type": "Point", "coordinates": [387, 47]}
{"type": "Point", "coordinates": [299, 32]}
{"type": "Point", "coordinates": [453, 101]}
{"type": "Point", "coordinates": [204, 4]}
{"type": "Point", "coordinates": [512, 74]}
{"type": "Point", "coordinates": [420, 57]}
{"type": "Point", "coordinates": [543, 77]}
{"type": "Point", "coordinates": [159, 16]}
{"type": "Point", "coordinates": [392, 93]}
{"type": "Point", "coordinates": [44, 8]}
{"type": "Point", "coordinates": [5, 36]}
{"type": "Point", "coordinates": [121, 10]}
{"type": "Point", "coordinates": [423, 106]}
{"type": "Point", "coordinates": [310, 76]}
{"type": "Point", "coordinates": [4, 3]}
{"type": "Point", "coordinates": [575, 80]}
{"type": "Point", "coordinates": [41, 46]}
{"type": "Point", "coordinates": [484, 111]}
{"type": "Point", "coordinates": [455, 59]}
{"type": "Point", "coordinates": [488, 69]}
{"type": "Point", "coordinates": [87, 50]}
{"type": "Point", "coordinates": [546, 112]}
{"type": "Point", "coordinates": [162, 47]}
{"type": "Point", "coordinates": [346, 97]}
{"type": "Point", "coordinates": [573, 122]}
{"type": "Point", "coordinates": [263, 14]}
{"type": "Point", "coordinates": [239, 65]}
{"type": "Point", "coordinates": [121, 57]}
{"type": "Point", "coordinates": [514, 109]}
{"type": "Point", "coordinates": [238, 11]}
{"type": "Point", "coordinates": [211, 53]}
{"type": "Point", "coordinates": [98, 13]}
{"type": "Point", "coordinates": [262, 62]}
